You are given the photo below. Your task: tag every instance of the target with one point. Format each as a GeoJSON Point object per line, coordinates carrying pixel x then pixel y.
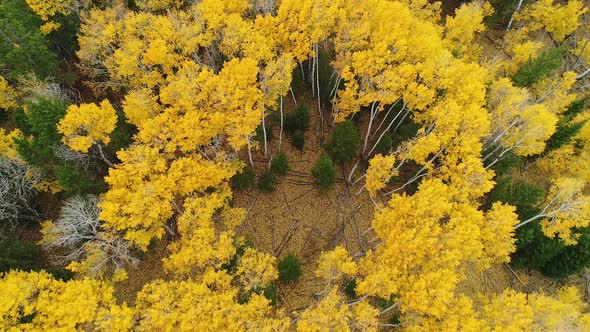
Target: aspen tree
{"type": "Point", "coordinates": [50, 304]}
{"type": "Point", "coordinates": [87, 125]}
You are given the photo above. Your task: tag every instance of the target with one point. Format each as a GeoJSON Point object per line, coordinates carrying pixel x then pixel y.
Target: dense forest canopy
{"type": "Point", "coordinates": [299, 165]}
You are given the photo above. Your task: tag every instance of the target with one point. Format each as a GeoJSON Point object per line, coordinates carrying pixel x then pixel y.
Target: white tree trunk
{"type": "Point", "coordinates": [512, 16]}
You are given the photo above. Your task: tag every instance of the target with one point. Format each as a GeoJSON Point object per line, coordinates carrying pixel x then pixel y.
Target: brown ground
{"type": "Point", "coordinates": [297, 218]}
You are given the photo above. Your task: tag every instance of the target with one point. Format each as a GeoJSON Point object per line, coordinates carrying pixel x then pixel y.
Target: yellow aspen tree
{"type": "Point", "coordinates": [498, 234]}
{"type": "Point", "coordinates": [520, 124]}
{"type": "Point", "coordinates": [140, 105]}
{"type": "Point", "coordinates": [566, 206]}
{"type": "Point", "coordinates": [87, 125]}
{"type": "Point", "coordinates": [462, 29]}
{"type": "Point", "coordinates": [157, 5]}
{"type": "Point", "coordinates": [201, 245]}
{"type": "Point", "coordinates": [511, 311]}
{"type": "Point", "coordinates": [211, 304]}
{"type": "Point", "coordinates": [331, 314]}
{"type": "Point", "coordinates": [425, 10]}
{"type": "Point", "coordinates": [138, 181]}
{"type": "Point", "coordinates": [227, 104]}
{"type": "Point", "coordinates": [303, 24]}
{"type": "Point", "coordinates": [460, 316]}
{"type": "Point", "coordinates": [566, 311]}
{"type": "Point", "coordinates": [8, 96]}
{"type": "Point", "coordinates": [8, 144]}
{"type": "Point", "coordinates": [334, 265]}
{"type": "Point", "coordinates": [424, 239]}
{"type": "Point", "coordinates": [36, 301]}
{"type": "Point", "coordinates": [381, 169]}
{"type": "Point", "coordinates": [557, 19]}
{"type": "Point", "coordinates": [256, 269]}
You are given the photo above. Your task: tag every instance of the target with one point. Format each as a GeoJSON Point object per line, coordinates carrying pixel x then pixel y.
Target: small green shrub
{"type": "Point", "coordinates": [298, 140]}
{"type": "Point", "coordinates": [76, 181]}
{"type": "Point", "coordinates": [280, 164]}
{"type": "Point", "coordinates": [297, 121]}
{"type": "Point", "coordinates": [244, 179]}
{"type": "Point", "coordinates": [324, 173]}
{"type": "Point", "coordinates": [15, 254]}
{"type": "Point", "coordinates": [267, 182]}
{"type": "Point", "coordinates": [290, 269]}
{"type": "Point", "coordinates": [344, 143]}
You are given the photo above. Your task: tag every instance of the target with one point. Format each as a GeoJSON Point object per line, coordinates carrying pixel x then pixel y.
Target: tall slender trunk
{"type": "Point", "coordinates": [317, 73]}
{"type": "Point", "coordinates": [352, 171]}
{"type": "Point", "coordinates": [386, 130]}
{"type": "Point", "coordinates": [374, 111]}
{"type": "Point", "coordinates": [264, 133]}
{"type": "Point", "coordinates": [512, 16]}
{"type": "Point", "coordinates": [250, 153]}
{"type": "Point", "coordinates": [293, 95]}
{"type": "Point", "coordinates": [401, 121]}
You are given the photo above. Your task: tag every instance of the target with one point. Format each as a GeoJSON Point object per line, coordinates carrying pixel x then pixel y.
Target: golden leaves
{"type": "Point", "coordinates": [88, 124]}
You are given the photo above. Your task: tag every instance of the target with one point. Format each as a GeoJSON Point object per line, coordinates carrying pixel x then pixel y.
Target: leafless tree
{"type": "Point", "coordinates": [18, 183]}
{"type": "Point", "coordinates": [77, 234]}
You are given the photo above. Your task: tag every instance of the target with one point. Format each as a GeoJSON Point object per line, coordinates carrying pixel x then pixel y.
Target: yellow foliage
{"type": "Point", "coordinates": [566, 207]}
{"type": "Point", "coordinates": [257, 269]}
{"type": "Point", "coordinates": [498, 233]}
{"type": "Point", "coordinates": [8, 95]}
{"type": "Point", "coordinates": [48, 8]}
{"type": "Point", "coordinates": [59, 305]}
{"type": "Point", "coordinates": [8, 145]}
{"type": "Point", "coordinates": [203, 306]}
{"type": "Point", "coordinates": [334, 264]}
{"type": "Point", "coordinates": [461, 29]}
{"type": "Point", "coordinates": [49, 27]}
{"type": "Point", "coordinates": [557, 19]}
{"type": "Point", "coordinates": [567, 311]}
{"type": "Point", "coordinates": [519, 123]}
{"type": "Point", "coordinates": [424, 239]}
{"type": "Point", "coordinates": [139, 106]}
{"type": "Point", "coordinates": [379, 173]}
{"type": "Point", "coordinates": [200, 245]}
{"type": "Point", "coordinates": [88, 124]}
{"type": "Point", "coordinates": [331, 314]}
{"type": "Point", "coordinates": [138, 181]}
{"type": "Point", "coordinates": [156, 5]}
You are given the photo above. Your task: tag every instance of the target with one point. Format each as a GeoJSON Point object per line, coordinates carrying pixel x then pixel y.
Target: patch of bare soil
{"type": "Point", "coordinates": [299, 219]}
